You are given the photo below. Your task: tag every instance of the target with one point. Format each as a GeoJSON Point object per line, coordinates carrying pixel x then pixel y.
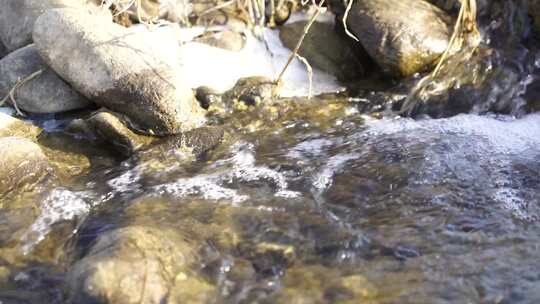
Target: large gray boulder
{"type": "Point", "coordinates": [45, 93]}
{"type": "Point", "coordinates": [129, 71]}
{"type": "Point", "coordinates": [17, 17]}
{"type": "Point", "coordinates": [135, 264]}
{"type": "Point", "coordinates": [403, 36]}
{"type": "Point", "coordinates": [22, 164]}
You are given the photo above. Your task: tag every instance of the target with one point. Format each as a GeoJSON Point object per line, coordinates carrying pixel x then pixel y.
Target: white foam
{"type": "Point", "coordinates": [60, 205]}
{"type": "Point", "coordinates": [504, 136]}
{"type": "Point", "coordinates": [240, 168]}
{"type": "Point", "coordinates": [511, 200]}
{"type": "Point", "coordinates": [476, 150]}
{"type": "Point", "coordinates": [310, 148]}
{"type": "Point", "coordinates": [324, 179]}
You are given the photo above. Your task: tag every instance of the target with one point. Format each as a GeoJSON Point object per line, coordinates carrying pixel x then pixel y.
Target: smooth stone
{"type": "Point", "coordinates": [191, 144]}
{"type": "Point", "coordinates": [111, 129]}
{"type": "Point", "coordinates": [45, 93]}
{"type": "Point", "coordinates": [22, 164]}
{"type": "Point", "coordinates": [17, 17]}
{"type": "Point", "coordinates": [207, 96]}
{"type": "Point", "coordinates": [129, 71]}
{"type": "Point", "coordinates": [401, 43]}
{"type": "Point", "coordinates": [251, 90]}
{"type": "Point", "coordinates": [134, 264]}
{"type": "Point", "coordinates": [324, 49]}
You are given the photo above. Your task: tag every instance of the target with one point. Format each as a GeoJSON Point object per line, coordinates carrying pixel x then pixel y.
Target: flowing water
{"type": "Point", "coordinates": [304, 201]}
{"type": "Point", "coordinates": [329, 206]}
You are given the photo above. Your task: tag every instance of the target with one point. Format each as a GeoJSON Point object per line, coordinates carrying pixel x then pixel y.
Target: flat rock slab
{"type": "Point", "coordinates": [17, 17]}
{"type": "Point", "coordinates": [44, 93]}
{"type": "Point", "coordinates": [403, 36]}
{"type": "Point", "coordinates": [22, 163]}
{"type": "Point", "coordinates": [129, 71]}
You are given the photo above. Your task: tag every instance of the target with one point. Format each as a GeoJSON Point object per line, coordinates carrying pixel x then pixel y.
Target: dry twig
{"type": "Point", "coordinates": [11, 95]}
{"type": "Point", "coordinates": [299, 43]}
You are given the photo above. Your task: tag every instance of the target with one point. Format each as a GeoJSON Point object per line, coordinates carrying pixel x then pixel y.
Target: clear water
{"type": "Point", "coordinates": [327, 207]}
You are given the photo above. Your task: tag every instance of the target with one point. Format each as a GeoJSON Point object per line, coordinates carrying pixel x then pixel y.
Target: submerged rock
{"type": "Point", "coordinates": [44, 93]}
{"type": "Point", "coordinates": [325, 49]}
{"type": "Point", "coordinates": [127, 71]}
{"type": "Point", "coordinates": [134, 264]}
{"type": "Point", "coordinates": [207, 96]}
{"type": "Point", "coordinates": [17, 17]}
{"type": "Point", "coordinates": [110, 128]}
{"type": "Point", "coordinates": [22, 163]}
{"type": "Point", "coordinates": [403, 36]}
{"type": "Point", "coordinates": [193, 143]}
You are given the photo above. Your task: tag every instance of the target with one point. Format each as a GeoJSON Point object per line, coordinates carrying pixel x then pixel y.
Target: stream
{"type": "Point", "coordinates": [304, 201]}
{"type": "Point", "coordinates": [328, 206]}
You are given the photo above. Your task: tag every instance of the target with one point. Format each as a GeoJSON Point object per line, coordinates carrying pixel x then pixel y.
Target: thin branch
{"type": "Point", "coordinates": [344, 20]}
{"type": "Point", "coordinates": [310, 74]}
{"type": "Point", "coordinates": [11, 95]}
{"type": "Point", "coordinates": [299, 43]}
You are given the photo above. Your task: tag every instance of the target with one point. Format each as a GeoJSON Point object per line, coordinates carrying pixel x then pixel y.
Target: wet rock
{"type": "Point", "coordinates": [134, 264]}
{"type": "Point", "coordinates": [226, 39]}
{"type": "Point", "coordinates": [403, 36]}
{"type": "Point", "coordinates": [281, 13]}
{"type": "Point", "coordinates": [191, 290]}
{"type": "Point", "coordinates": [44, 93]}
{"type": "Point", "coordinates": [22, 163]}
{"type": "Point", "coordinates": [317, 284]}
{"type": "Point", "coordinates": [11, 126]}
{"type": "Point", "coordinates": [196, 141]}
{"type": "Point", "coordinates": [128, 71]}
{"type": "Point", "coordinates": [325, 49]}
{"type": "Point", "coordinates": [17, 17]}
{"type": "Point", "coordinates": [251, 90]}
{"type": "Point", "coordinates": [532, 96]}
{"type": "Point", "coordinates": [207, 96]}
{"type": "Point", "coordinates": [111, 129]}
